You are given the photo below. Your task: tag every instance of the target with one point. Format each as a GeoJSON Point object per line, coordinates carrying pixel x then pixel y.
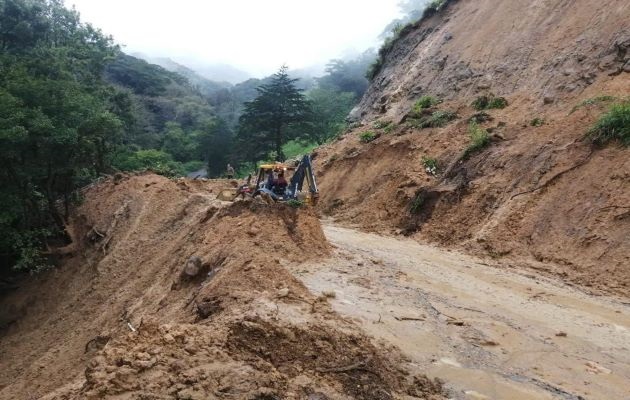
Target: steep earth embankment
{"type": "Point", "coordinates": [172, 294]}
{"type": "Point", "coordinates": [539, 195]}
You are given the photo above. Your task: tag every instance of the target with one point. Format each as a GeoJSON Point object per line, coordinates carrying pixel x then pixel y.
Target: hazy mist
{"type": "Point", "coordinates": [252, 35]}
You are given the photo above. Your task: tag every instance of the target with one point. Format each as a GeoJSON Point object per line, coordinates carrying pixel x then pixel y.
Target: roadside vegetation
{"type": "Point", "coordinates": [613, 126]}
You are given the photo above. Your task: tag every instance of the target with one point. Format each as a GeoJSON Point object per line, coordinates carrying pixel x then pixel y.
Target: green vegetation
{"type": "Point", "coordinates": [430, 165]}
{"type": "Point", "coordinates": [433, 7]}
{"type": "Point", "coordinates": [278, 114]}
{"type": "Point", "coordinates": [436, 119]}
{"type": "Point", "coordinates": [282, 113]}
{"type": "Point", "coordinates": [166, 113]}
{"type": "Point", "coordinates": [329, 110]}
{"type": "Point", "coordinates": [347, 76]}
{"type": "Point", "coordinates": [595, 101]}
{"type": "Point", "coordinates": [613, 126]}
{"type": "Point", "coordinates": [72, 108]}
{"type": "Point", "coordinates": [381, 124]}
{"type": "Point", "coordinates": [417, 203]}
{"type": "Point", "coordinates": [157, 161]}
{"type": "Point", "coordinates": [537, 122]}
{"type": "Point", "coordinates": [375, 68]}
{"type": "Point", "coordinates": [398, 31]}
{"type": "Point", "coordinates": [385, 126]}
{"type": "Point", "coordinates": [400, 28]}
{"type": "Point", "coordinates": [479, 139]}
{"type": "Point", "coordinates": [425, 102]}
{"type": "Point", "coordinates": [487, 102]}
{"type": "Point", "coordinates": [59, 122]}
{"type": "Point", "coordinates": [295, 203]}
{"type": "Point", "coordinates": [367, 137]}
{"type": "Point", "coordinates": [296, 148]}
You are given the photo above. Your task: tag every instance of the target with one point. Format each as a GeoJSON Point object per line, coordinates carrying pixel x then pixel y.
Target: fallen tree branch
{"type": "Point", "coordinates": [409, 319]}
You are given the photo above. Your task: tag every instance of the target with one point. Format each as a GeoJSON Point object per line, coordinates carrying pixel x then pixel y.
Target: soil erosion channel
{"type": "Point", "coordinates": [490, 332]}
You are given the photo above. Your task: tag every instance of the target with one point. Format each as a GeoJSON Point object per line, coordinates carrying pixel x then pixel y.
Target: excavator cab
{"type": "Point", "coordinates": [268, 181]}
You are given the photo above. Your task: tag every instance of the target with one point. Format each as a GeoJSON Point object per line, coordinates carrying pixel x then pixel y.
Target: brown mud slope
{"type": "Point", "coordinates": [122, 319]}
{"type": "Point", "coordinates": [538, 196]}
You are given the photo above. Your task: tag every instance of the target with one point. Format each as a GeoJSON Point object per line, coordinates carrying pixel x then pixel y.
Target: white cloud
{"type": "Point", "coordinates": [255, 35]}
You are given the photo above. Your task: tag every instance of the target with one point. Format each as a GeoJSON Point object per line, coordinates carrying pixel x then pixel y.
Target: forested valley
{"type": "Point", "coordinates": [74, 107]}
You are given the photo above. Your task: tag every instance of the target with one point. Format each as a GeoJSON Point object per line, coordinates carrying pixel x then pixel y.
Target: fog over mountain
{"type": "Point", "coordinates": [252, 36]}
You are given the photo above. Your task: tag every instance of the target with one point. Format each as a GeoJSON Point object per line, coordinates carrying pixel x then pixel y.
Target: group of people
{"type": "Point", "coordinates": [276, 182]}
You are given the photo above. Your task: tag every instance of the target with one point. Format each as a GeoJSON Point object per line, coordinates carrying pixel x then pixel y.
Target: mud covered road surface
{"type": "Point", "coordinates": [490, 332]}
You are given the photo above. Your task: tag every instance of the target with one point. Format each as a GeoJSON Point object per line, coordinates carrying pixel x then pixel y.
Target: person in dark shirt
{"type": "Point", "coordinates": [281, 181]}
{"type": "Point", "coordinates": [280, 184]}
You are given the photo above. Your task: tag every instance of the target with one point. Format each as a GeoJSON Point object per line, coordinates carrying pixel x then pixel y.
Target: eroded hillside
{"type": "Point", "coordinates": [538, 193]}
{"type": "Point", "coordinates": [168, 293]}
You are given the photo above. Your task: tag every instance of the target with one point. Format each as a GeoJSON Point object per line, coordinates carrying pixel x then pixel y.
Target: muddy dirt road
{"type": "Point", "coordinates": [489, 331]}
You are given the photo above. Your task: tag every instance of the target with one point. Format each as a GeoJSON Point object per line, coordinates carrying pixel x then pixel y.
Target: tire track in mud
{"type": "Point", "coordinates": [488, 331]}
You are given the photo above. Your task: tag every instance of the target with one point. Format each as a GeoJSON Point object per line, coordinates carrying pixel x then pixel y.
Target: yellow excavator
{"type": "Point", "coordinates": [270, 183]}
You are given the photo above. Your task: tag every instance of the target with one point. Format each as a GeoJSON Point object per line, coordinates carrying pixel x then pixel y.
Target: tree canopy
{"type": "Point", "coordinates": [58, 122]}
{"type": "Point", "coordinates": [73, 107]}
{"type": "Point", "coordinates": [278, 114]}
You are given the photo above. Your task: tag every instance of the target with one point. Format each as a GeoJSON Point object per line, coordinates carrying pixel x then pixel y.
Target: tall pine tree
{"type": "Point", "coordinates": [278, 114]}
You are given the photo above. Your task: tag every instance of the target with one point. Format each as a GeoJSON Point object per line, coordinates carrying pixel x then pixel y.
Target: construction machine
{"type": "Point", "coordinates": [270, 183]}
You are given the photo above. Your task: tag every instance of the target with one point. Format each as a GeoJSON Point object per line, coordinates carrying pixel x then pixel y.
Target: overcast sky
{"type": "Point", "coordinates": [254, 35]}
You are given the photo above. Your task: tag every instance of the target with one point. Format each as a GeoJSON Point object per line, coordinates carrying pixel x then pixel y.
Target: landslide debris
{"type": "Point", "coordinates": [529, 188]}
{"type": "Point", "coordinates": [171, 294]}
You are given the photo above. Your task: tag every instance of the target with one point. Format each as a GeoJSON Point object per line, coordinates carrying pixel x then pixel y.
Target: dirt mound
{"type": "Point", "coordinates": [169, 293]}
{"type": "Point", "coordinates": [252, 358]}
{"type": "Point", "coordinates": [539, 195]}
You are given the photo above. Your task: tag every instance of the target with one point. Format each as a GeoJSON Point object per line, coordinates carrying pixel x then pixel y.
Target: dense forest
{"type": "Point", "coordinates": [74, 107]}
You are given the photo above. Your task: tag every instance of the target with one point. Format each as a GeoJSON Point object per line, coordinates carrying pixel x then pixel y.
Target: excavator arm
{"type": "Point", "coordinates": [304, 172]}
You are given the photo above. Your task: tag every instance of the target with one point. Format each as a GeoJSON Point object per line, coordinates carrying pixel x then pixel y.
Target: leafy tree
{"type": "Point", "coordinates": [58, 121]}
{"type": "Point", "coordinates": [348, 75]}
{"type": "Point", "coordinates": [330, 109]}
{"type": "Point", "coordinates": [274, 117]}
{"type": "Point", "coordinates": [155, 160]}
{"type": "Point", "coordinates": [178, 143]}
{"type": "Point", "coordinates": [215, 142]}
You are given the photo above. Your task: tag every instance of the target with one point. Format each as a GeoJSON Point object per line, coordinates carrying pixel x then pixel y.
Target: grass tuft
{"type": "Point", "coordinates": [487, 102]}
{"type": "Point", "coordinates": [613, 126]}
{"type": "Point", "coordinates": [594, 101]}
{"type": "Point", "coordinates": [479, 139]}
{"type": "Point", "coordinates": [367, 137]}
{"type": "Point", "coordinates": [430, 165]}
{"type": "Point", "coordinates": [438, 119]}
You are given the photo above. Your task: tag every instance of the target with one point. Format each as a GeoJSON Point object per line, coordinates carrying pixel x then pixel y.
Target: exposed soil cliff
{"type": "Point", "coordinates": [539, 194]}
